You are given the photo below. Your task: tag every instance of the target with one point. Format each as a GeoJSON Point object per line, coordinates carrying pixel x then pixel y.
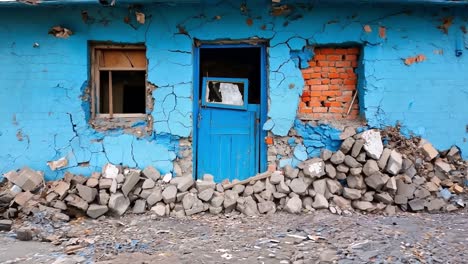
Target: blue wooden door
{"type": "Point", "coordinates": [228, 142]}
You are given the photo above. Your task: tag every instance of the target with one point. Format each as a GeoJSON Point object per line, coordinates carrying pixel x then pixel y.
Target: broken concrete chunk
{"type": "Point", "coordinates": [357, 147]}
{"type": "Point", "coordinates": [395, 163]}
{"type": "Point", "coordinates": [370, 167]}
{"type": "Point", "coordinates": [139, 207]}
{"type": "Point", "coordinates": [320, 202]}
{"type": "Point", "coordinates": [169, 194]}
{"type": "Point", "coordinates": [325, 154]}
{"type": "Point", "coordinates": [314, 168]}
{"type": "Point", "coordinates": [377, 180]}
{"type": "Point", "coordinates": [352, 194]}
{"type": "Point", "coordinates": [429, 151]}
{"type": "Point", "coordinates": [206, 195]}
{"type": "Point", "coordinates": [298, 186]}
{"type": "Point", "coordinates": [61, 188]}
{"type": "Point", "coordinates": [330, 170]}
{"type": "Point", "coordinates": [363, 205]}
{"type": "Point", "coordinates": [347, 132]}
{"type": "Point", "coordinates": [347, 145]}
{"type": "Point", "coordinates": [294, 205]}
{"type": "Point", "coordinates": [337, 157]}
{"type": "Point", "coordinates": [184, 183]}
{"type": "Point", "coordinates": [118, 203]}
{"type": "Point", "coordinates": [87, 193]}
{"type": "Point", "coordinates": [384, 158]}
{"type": "Point", "coordinates": [148, 184]}
{"type": "Point", "coordinates": [416, 204]}
{"type": "Point", "coordinates": [96, 210]}
{"type": "Point", "coordinates": [131, 180]}
{"type": "Point", "coordinates": [29, 180]}
{"type": "Point", "coordinates": [352, 162]}
{"type": "Point", "coordinates": [57, 164]}
{"type": "Point", "coordinates": [356, 182]}
{"type": "Point", "coordinates": [105, 183]}
{"type": "Point", "coordinates": [151, 173]}
{"type": "Point", "coordinates": [77, 202]}
{"type": "Point", "coordinates": [372, 143]}
{"type": "Point", "coordinates": [110, 171]}
{"type": "Point", "coordinates": [290, 172]}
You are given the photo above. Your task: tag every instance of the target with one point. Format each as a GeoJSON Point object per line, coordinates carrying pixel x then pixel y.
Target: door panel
{"type": "Point", "coordinates": [228, 143]}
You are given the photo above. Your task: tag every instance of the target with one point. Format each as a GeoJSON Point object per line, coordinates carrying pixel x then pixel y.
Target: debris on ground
{"type": "Point", "coordinates": [373, 171]}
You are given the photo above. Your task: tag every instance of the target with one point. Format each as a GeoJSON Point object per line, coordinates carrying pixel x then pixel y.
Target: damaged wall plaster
{"type": "Point", "coordinates": [42, 84]}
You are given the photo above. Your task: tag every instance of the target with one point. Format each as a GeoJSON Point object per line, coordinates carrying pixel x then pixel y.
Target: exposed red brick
{"type": "Point", "coordinates": [331, 83]}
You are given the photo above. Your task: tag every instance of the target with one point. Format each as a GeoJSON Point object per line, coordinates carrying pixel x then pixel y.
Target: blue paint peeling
{"type": "Point", "coordinates": [44, 117]}
{"type": "Point", "coordinates": [317, 137]}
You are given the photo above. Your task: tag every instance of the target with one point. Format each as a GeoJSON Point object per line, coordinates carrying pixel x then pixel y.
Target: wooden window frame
{"type": "Point", "coordinates": [95, 79]}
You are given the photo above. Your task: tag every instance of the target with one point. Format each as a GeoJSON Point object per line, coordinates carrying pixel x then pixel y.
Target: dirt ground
{"type": "Point", "coordinates": [279, 238]}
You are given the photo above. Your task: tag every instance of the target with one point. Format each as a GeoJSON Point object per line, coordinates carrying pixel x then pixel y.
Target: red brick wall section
{"type": "Point", "coordinates": [330, 83]}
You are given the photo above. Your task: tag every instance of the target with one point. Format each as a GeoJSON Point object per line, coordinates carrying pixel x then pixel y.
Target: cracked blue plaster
{"type": "Point", "coordinates": [43, 87]}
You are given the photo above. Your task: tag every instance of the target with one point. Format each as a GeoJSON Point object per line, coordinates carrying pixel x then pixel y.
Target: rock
{"type": "Point", "coordinates": [169, 194]}
{"type": "Point", "coordinates": [320, 186]}
{"type": "Point", "coordinates": [356, 182]}
{"type": "Point", "coordinates": [330, 170]}
{"type": "Point", "coordinates": [247, 206]}
{"type": "Point", "coordinates": [24, 234]}
{"type": "Point", "coordinates": [139, 207]}
{"type": "Point", "coordinates": [61, 205]}
{"type": "Point", "coordinates": [105, 183]}
{"type": "Point", "coordinates": [189, 200]}
{"type": "Point", "coordinates": [435, 204]}
{"type": "Point", "coordinates": [87, 193]}
{"type": "Point", "coordinates": [22, 198]}
{"type": "Point", "coordinates": [347, 132]}
{"type": "Point", "coordinates": [131, 180]}
{"type": "Point", "coordinates": [159, 209]}
{"type": "Point", "coordinates": [289, 172]}
{"type": "Point", "coordinates": [148, 184]}
{"type": "Point", "coordinates": [342, 168]}
{"type": "Point", "coordinates": [103, 197]}
{"type": "Point", "coordinates": [5, 225]}
{"type": "Point", "coordinates": [372, 143]}
{"type": "Point", "coordinates": [61, 188]}
{"type": "Point", "coordinates": [429, 151]}
{"type": "Point", "coordinates": [203, 185]}
{"type": "Point", "coordinates": [184, 183]}
{"type": "Point", "coordinates": [197, 207]}
{"type": "Point", "coordinates": [28, 180]}
{"type": "Point", "coordinates": [206, 195]}
{"type": "Point", "coordinates": [259, 186]}
{"type": "Point", "coordinates": [337, 158]}
{"type": "Point", "coordinates": [351, 162]}
{"type": "Point", "coordinates": [314, 168]}
{"type": "Point", "coordinates": [416, 204]}
{"type": "Point", "coordinates": [294, 205]}
{"type": "Point", "coordinates": [325, 154]}
{"type": "Point", "coordinates": [376, 181]}
{"type": "Point", "coordinates": [363, 205]}
{"type": "Point", "coordinates": [405, 189]}
{"type": "Point", "coordinates": [248, 191]}
{"type": "Point", "coordinates": [92, 182]}
{"type": "Point", "coordinates": [384, 198]}
{"type": "Point", "coordinates": [341, 202]}
{"type": "Point", "coordinates": [215, 210]}
{"type": "Point", "coordinates": [167, 177]}
{"type": "Point", "coordinates": [442, 166]}
{"type": "Point", "coordinates": [307, 202]}
{"type": "Point", "coordinates": [276, 177]}
{"type": "Point", "coordinates": [368, 196]}
{"type": "Point", "coordinates": [401, 199]}
{"type": "Point", "coordinates": [395, 162]}
{"type": "Point", "coordinates": [77, 202]}
{"type": "Point", "coordinates": [118, 203]}
{"type": "Point", "coordinates": [457, 189]}
{"type": "Point", "coordinates": [151, 173]}
{"type": "Point", "coordinates": [370, 167]}
{"type": "Point", "coordinates": [239, 188]}
{"type": "Point", "coordinates": [298, 186]}
{"type": "Point", "coordinates": [320, 202]}
{"type": "Point", "coordinates": [357, 147]}
{"type": "Point", "coordinates": [266, 207]}
{"type": "Point", "coordinates": [352, 194]}
{"type": "Point", "coordinates": [96, 210]}
{"type": "Point", "coordinates": [384, 158]}
{"type": "Point", "coordinates": [334, 186]}
{"type": "Point", "coordinates": [390, 210]}
{"type": "Point", "coordinates": [347, 145]}
{"type": "Point", "coordinates": [453, 154]}
{"type": "Point", "coordinates": [282, 187]}
{"type": "Point", "coordinates": [431, 187]}
{"type": "Point", "coordinates": [217, 200]}
{"type": "Point", "coordinates": [421, 193]}
{"type": "Point", "coordinates": [230, 200]}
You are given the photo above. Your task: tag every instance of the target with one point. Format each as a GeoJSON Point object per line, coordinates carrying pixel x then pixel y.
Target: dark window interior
{"type": "Point", "coordinates": [233, 63]}
{"type": "Point", "coordinates": [128, 92]}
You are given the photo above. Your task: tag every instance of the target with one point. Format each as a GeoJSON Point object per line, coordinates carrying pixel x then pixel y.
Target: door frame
{"type": "Point", "coordinates": [263, 99]}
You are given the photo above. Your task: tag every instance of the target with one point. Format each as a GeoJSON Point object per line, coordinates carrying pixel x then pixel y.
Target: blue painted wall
{"type": "Point", "coordinates": [42, 116]}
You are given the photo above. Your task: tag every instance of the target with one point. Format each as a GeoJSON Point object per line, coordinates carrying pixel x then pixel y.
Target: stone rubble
{"type": "Point", "coordinates": [373, 171]}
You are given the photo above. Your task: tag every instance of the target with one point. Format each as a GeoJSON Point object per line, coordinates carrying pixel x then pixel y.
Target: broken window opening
{"type": "Point", "coordinates": [231, 63]}
{"type": "Point", "coordinates": [119, 80]}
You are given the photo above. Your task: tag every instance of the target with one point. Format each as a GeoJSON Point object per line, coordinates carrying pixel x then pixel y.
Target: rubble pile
{"type": "Point", "coordinates": [373, 171]}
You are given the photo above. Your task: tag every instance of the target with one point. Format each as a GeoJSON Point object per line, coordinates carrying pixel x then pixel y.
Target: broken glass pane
{"type": "Point", "coordinates": [225, 93]}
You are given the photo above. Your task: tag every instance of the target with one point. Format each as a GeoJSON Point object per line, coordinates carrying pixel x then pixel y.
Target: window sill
{"type": "Point", "coordinates": [137, 124]}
